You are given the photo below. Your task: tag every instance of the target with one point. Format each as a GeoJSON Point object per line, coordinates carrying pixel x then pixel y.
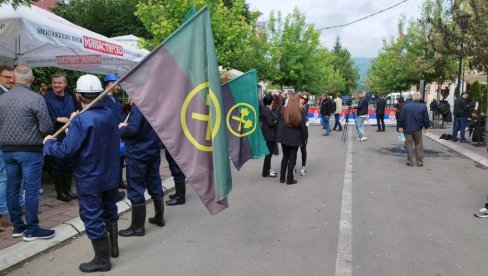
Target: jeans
{"type": "Point", "coordinates": [360, 124]}
{"type": "Point", "coordinates": [337, 118]}
{"type": "Point", "coordinates": [3, 186]}
{"type": "Point", "coordinates": [26, 168]}
{"type": "Point", "coordinates": [460, 124]}
{"type": "Point", "coordinates": [325, 124]}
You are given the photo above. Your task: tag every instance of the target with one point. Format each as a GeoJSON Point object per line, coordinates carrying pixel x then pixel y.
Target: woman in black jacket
{"type": "Point", "coordinates": [292, 133]}
{"type": "Point", "coordinates": [270, 120]}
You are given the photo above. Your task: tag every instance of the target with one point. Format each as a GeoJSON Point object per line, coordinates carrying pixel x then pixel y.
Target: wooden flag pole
{"type": "Point", "coordinates": [126, 119]}
{"type": "Point", "coordinates": [88, 106]}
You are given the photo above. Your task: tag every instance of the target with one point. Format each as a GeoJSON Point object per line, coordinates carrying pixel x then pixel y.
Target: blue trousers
{"type": "Point", "coordinates": [460, 124]}
{"type": "Point", "coordinates": [3, 186]}
{"type": "Point", "coordinates": [96, 209]}
{"type": "Point", "coordinates": [26, 168]}
{"type": "Point", "coordinates": [142, 175]}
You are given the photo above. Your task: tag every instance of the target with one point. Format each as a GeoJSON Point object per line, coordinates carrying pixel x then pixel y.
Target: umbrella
{"type": "Point", "coordinates": [39, 38]}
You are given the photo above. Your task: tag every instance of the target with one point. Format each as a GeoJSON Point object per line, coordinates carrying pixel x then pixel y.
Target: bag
{"type": "Point", "coordinates": [400, 139]}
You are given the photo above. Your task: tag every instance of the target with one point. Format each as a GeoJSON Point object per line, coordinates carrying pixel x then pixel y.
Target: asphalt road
{"type": "Point", "coordinates": [359, 211]}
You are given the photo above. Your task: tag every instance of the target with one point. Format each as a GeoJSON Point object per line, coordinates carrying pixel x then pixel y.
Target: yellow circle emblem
{"type": "Point", "coordinates": [211, 130]}
{"type": "Point", "coordinates": [246, 120]}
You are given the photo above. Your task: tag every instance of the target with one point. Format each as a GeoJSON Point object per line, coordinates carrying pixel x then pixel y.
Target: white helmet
{"type": "Point", "coordinates": [88, 84]}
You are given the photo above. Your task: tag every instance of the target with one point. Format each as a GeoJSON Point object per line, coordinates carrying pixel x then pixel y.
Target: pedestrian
{"type": "Point", "coordinates": [60, 105]}
{"type": "Point", "coordinates": [43, 89]}
{"type": "Point", "coordinates": [142, 158]}
{"type": "Point", "coordinates": [292, 133]}
{"type": "Point", "coordinates": [398, 107]}
{"type": "Point", "coordinates": [327, 107]}
{"type": "Point", "coordinates": [6, 82]}
{"type": "Point", "coordinates": [303, 148]}
{"type": "Point", "coordinates": [461, 112]}
{"type": "Point", "coordinates": [93, 139]}
{"type": "Point", "coordinates": [270, 121]}
{"type": "Point", "coordinates": [380, 113]}
{"type": "Point", "coordinates": [179, 197]}
{"type": "Point", "coordinates": [338, 111]}
{"type": "Point", "coordinates": [414, 120]}
{"type": "Point", "coordinates": [24, 121]}
{"type": "Point", "coordinates": [112, 102]}
{"type": "Point", "coordinates": [362, 114]}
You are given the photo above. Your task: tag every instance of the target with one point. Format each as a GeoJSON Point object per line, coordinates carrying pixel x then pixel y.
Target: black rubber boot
{"type": "Point", "coordinates": [113, 233]}
{"type": "Point", "coordinates": [158, 218]}
{"type": "Point", "coordinates": [137, 224]}
{"type": "Point", "coordinates": [180, 192]}
{"type": "Point", "coordinates": [67, 186]}
{"type": "Point", "coordinates": [59, 186]}
{"type": "Point", "coordinates": [101, 262]}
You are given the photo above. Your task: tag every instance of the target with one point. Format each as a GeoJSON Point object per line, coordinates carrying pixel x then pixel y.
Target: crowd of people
{"type": "Point", "coordinates": [33, 133]}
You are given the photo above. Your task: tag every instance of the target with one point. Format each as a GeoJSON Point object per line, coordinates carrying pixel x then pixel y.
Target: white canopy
{"type": "Point", "coordinates": [38, 38]}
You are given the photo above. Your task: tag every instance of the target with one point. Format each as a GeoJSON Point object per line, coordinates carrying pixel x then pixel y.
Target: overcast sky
{"type": "Point", "coordinates": [362, 39]}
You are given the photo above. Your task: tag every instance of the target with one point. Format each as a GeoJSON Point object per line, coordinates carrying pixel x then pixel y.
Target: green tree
{"type": "Point", "coordinates": [106, 17]}
{"type": "Point", "coordinates": [343, 63]}
{"type": "Point", "coordinates": [232, 25]}
{"type": "Point", "coordinates": [17, 3]}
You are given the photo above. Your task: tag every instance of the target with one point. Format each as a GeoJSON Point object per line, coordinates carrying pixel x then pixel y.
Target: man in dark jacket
{"type": "Point", "coordinates": [327, 107]}
{"type": "Point", "coordinates": [143, 157]}
{"type": "Point", "coordinates": [413, 121]}
{"type": "Point", "coordinates": [24, 120]}
{"type": "Point", "coordinates": [362, 114]}
{"type": "Point", "coordinates": [461, 114]}
{"type": "Point", "coordinates": [380, 113]}
{"type": "Point", "coordinates": [93, 139]}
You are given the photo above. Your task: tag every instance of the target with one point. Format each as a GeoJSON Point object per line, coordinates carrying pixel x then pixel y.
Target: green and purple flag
{"type": "Point", "coordinates": [244, 135]}
{"type": "Point", "coordinates": [177, 88]}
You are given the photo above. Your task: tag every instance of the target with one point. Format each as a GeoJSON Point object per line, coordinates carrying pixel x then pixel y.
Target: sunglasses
{"type": "Point", "coordinates": [304, 98]}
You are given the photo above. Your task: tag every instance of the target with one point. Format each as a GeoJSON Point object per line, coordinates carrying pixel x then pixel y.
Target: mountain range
{"type": "Point", "coordinates": [363, 64]}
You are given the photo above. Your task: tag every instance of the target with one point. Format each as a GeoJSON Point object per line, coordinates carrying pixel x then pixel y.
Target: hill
{"type": "Point", "coordinates": [362, 63]}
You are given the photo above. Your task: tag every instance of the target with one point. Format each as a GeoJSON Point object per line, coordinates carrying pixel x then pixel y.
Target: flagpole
{"type": "Point", "coordinates": [88, 106]}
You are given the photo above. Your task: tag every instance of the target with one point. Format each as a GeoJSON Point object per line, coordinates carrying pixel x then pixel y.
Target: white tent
{"type": "Point", "coordinates": [38, 38]}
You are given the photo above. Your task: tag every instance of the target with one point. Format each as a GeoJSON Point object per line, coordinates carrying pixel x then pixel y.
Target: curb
{"type": "Point", "coordinates": [469, 154]}
{"type": "Point", "coordinates": [22, 251]}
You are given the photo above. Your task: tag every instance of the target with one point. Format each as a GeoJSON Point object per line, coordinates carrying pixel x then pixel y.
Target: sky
{"type": "Point", "coordinates": [361, 39]}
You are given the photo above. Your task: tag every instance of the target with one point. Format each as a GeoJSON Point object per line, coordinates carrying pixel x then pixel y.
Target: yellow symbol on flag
{"type": "Point", "coordinates": [206, 118]}
{"type": "Point", "coordinates": [245, 120]}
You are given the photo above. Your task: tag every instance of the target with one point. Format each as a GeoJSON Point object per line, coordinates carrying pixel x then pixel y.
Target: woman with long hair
{"type": "Point", "coordinates": [292, 133]}
{"type": "Point", "coordinates": [270, 121]}
{"type": "Point", "coordinates": [303, 148]}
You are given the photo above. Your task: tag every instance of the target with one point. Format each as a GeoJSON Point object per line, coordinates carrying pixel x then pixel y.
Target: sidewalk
{"type": "Point", "coordinates": [63, 217]}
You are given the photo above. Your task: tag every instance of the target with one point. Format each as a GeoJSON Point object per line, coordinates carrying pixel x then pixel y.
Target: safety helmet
{"type": "Point", "coordinates": [110, 77]}
{"type": "Point", "coordinates": [88, 84]}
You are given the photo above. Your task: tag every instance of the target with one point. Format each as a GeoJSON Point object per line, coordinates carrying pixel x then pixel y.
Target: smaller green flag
{"type": "Point", "coordinates": [244, 136]}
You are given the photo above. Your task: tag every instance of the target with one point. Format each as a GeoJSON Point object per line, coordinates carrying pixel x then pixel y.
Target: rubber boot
{"type": "Point", "coordinates": [67, 186]}
{"type": "Point", "coordinates": [158, 218]}
{"type": "Point", "coordinates": [137, 224]}
{"type": "Point", "coordinates": [179, 197]}
{"type": "Point", "coordinates": [101, 262]}
{"type": "Point", "coordinates": [59, 186]}
{"type": "Point", "coordinates": [113, 233]}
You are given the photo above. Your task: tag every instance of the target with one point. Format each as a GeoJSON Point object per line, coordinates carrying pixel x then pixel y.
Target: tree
{"type": "Point", "coordinates": [17, 3]}
{"type": "Point", "coordinates": [106, 17]}
{"type": "Point", "coordinates": [343, 63]}
{"type": "Point", "coordinates": [232, 25]}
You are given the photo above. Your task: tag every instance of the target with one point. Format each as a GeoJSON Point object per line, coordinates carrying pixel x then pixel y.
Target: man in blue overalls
{"type": "Point", "coordinates": [142, 159]}
{"type": "Point", "coordinates": [93, 139]}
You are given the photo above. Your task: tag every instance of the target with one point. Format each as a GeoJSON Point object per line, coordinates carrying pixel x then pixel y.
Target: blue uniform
{"type": "Point", "coordinates": [93, 140]}
{"type": "Point", "coordinates": [113, 103]}
{"type": "Point", "coordinates": [142, 158]}
{"type": "Point", "coordinates": [59, 106]}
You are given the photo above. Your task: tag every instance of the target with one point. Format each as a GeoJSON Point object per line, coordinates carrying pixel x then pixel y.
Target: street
{"type": "Point", "coordinates": [363, 214]}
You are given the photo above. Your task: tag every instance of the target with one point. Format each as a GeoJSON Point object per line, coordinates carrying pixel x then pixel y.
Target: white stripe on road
{"type": "Point", "coordinates": [344, 248]}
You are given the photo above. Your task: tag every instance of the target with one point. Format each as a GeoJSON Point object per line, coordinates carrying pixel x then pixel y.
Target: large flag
{"type": "Point", "coordinates": [244, 134]}
{"type": "Point", "coordinates": [177, 88]}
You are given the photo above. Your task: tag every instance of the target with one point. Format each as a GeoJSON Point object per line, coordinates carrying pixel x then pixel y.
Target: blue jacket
{"type": "Point", "coordinates": [141, 141]}
{"type": "Point", "coordinates": [93, 139]}
{"type": "Point", "coordinates": [413, 117]}
{"type": "Point", "coordinates": [362, 107]}
{"type": "Point", "coordinates": [59, 106]}
{"type": "Point", "coordinates": [115, 106]}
